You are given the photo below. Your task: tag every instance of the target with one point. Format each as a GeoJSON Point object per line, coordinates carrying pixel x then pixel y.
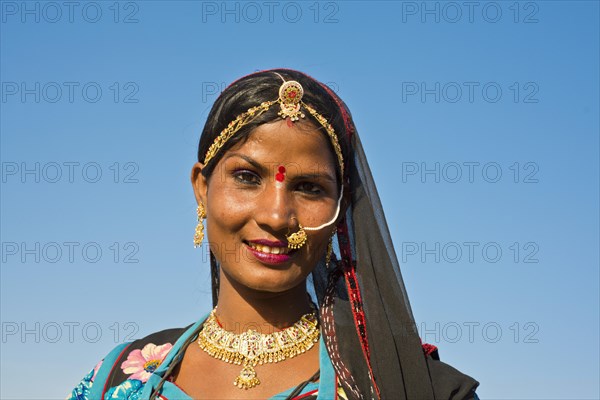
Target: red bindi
{"type": "Point", "coordinates": [280, 176]}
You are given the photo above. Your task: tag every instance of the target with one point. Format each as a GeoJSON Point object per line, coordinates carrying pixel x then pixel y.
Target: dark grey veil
{"type": "Point", "coordinates": [368, 323]}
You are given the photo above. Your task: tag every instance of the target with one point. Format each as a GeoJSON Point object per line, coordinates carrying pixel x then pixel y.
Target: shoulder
{"type": "Point", "coordinates": [127, 367]}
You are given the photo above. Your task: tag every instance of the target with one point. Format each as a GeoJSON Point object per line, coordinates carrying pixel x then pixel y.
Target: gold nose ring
{"type": "Point", "coordinates": [297, 239]}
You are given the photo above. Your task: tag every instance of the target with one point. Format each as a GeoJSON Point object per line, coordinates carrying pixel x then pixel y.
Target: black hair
{"type": "Point", "coordinates": [252, 90]}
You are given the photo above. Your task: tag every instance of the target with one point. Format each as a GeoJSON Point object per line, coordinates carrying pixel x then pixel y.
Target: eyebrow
{"type": "Point", "coordinates": [259, 166]}
{"type": "Point", "coordinates": [325, 176]}
{"type": "Point", "coordinates": [249, 160]}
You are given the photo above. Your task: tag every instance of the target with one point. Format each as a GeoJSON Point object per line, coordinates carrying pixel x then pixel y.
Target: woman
{"type": "Point", "coordinates": [285, 188]}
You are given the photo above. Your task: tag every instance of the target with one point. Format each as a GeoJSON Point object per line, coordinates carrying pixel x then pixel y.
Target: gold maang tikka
{"type": "Point", "coordinates": [252, 348]}
{"type": "Point", "coordinates": [291, 106]}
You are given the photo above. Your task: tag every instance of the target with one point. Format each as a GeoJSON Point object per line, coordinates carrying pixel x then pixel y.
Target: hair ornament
{"type": "Point", "coordinates": [291, 104]}
{"type": "Point", "coordinates": [290, 96]}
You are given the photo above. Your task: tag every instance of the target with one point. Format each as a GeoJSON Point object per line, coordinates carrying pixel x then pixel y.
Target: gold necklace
{"type": "Point", "coordinates": [252, 348]}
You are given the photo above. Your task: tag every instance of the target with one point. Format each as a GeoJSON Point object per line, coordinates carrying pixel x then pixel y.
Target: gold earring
{"type": "Point", "coordinates": [199, 235]}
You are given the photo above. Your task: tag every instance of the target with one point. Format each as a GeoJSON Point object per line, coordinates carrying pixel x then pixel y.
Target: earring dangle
{"type": "Point", "coordinates": [199, 235]}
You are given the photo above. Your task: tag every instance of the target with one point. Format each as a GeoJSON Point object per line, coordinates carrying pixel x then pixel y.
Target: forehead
{"type": "Point", "coordinates": [276, 142]}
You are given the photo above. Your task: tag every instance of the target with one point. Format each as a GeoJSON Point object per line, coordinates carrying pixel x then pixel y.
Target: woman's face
{"type": "Point", "coordinates": [258, 192]}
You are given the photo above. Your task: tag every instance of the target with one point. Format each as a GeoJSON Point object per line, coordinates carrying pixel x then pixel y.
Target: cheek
{"type": "Point", "coordinates": [225, 193]}
{"type": "Point", "coordinates": [227, 210]}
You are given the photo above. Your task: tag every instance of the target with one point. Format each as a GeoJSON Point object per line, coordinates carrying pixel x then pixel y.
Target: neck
{"type": "Point", "coordinates": [240, 308]}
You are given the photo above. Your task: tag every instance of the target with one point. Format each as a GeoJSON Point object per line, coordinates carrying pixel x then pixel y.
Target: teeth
{"type": "Point", "coordinates": [269, 250]}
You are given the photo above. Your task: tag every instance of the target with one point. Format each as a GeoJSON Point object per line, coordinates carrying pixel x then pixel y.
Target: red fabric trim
{"type": "Point", "coordinates": [428, 348]}
{"type": "Point", "coordinates": [355, 298]}
{"type": "Point", "coordinates": [305, 394]}
{"type": "Point", "coordinates": [104, 389]}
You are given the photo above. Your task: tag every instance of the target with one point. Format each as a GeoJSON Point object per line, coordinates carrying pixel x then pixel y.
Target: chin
{"type": "Point", "coordinates": [267, 280]}
{"type": "Point", "coordinates": [276, 285]}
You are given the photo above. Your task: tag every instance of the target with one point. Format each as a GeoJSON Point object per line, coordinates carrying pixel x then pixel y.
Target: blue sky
{"type": "Point", "coordinates": [480, 123]}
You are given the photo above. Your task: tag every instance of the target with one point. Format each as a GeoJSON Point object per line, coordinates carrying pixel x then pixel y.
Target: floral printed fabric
{"type": "Point", "coordinates": [131, 389]}
{"type": "Point", "coordinates": [82, 391]}
{"type": "Point", "coordinates": [140, 365]}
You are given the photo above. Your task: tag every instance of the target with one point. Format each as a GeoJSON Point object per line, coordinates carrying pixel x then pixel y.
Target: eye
{"type": "Point", "coordinates": [246, 177]}
{"type": "Point", "coordinates": [310, 188]}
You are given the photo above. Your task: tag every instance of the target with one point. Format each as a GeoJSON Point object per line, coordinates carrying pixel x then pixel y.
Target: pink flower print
{"type": "Point", "coordinates": [96, 368]}
{"type": "Point", "coordinates": [142, 363]}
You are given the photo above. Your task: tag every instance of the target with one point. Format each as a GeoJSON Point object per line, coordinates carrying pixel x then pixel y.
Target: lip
{"type": "Point", "coordinates": [269, 243]}
{"type": "Point", "coordinates": [271, 259]}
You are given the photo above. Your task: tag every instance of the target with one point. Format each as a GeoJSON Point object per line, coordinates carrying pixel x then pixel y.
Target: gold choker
{"type": "Point", "coordinates": [253, 348]}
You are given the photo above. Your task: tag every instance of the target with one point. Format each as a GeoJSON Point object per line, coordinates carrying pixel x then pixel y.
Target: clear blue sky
{"type": "Point", "coordinates": [480, 123]}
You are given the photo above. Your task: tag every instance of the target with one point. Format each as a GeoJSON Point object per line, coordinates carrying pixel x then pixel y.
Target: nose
{"type": "Point", "coordinates": [274, 210]}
